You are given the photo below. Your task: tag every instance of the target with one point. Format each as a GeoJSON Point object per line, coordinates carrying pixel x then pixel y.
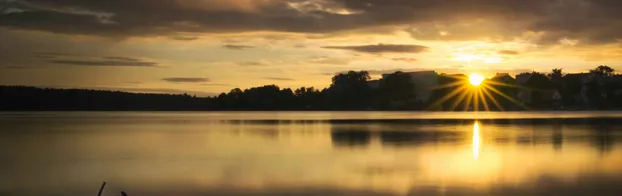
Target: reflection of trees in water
{"type": "Point", "coordinates": [392, 136]}
{"type": "Point", "coordinates": [530, 133]}
{"type": "Point", "coordinates": [528, 138]}
{"type": "Point", "coordinates": [604, 141]}
{"type": "Point", "coordinates": [603, 138]}
{"type": "Point", "coordinates": [350, 137]}
{"type": "Point", "coordinates": [275, 129]}
{"type": "Point", "coordinates": [599, 131]}
{"type": "Point", "coordinates": [406, 138]}
{"type": "Point", "coordinates": [558, 137]}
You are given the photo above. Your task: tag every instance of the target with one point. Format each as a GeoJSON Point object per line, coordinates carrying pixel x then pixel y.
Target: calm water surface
{"type": "Point", "coordinates": [311, 153]}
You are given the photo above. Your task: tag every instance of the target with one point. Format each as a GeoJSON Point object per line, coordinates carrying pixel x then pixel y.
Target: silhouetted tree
{"type": "Point", "coordinates": [556, 75]}
{"type": "Point", "coordinates": [603, 70]}
{"type": "Point", "coordinates": [268, 97]}
{"type": "Point", "coordinates": [557, 80]}
{"type": "Point", "coordinates": [537, 82]}
{"type": "Point", "coordinates": [309, 98]}
{"type": "Point", "coordinates": [571, 89]}
{"type": "Point", "coordinates": [350, 90]}
{"type": "Point", "coordinates": [600, 88]}
{"type": "Point", "coordinates": [396, 91]}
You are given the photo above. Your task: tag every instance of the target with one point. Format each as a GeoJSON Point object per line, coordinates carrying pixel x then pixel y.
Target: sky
{"type": "Point", "coordinates": [205, 47]}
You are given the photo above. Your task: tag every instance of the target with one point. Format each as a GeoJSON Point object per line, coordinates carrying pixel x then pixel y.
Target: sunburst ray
{"type": "Point", "coordinates": [506, 96]}
{"type": "Point", "coordinates": [469, 98]}
{"type": "Point", "coordinates": [494, 101]}
{"type": "Point", "coordinates": [453, 84]}
{"type": "Point", "coordinates": [447, 97]}
{"type": "Point", "coordinates": [481, 95]}
{"type": "Point", "coordinates": [459, 99]}
{"type": "Point", "coordinates": [468, 95]}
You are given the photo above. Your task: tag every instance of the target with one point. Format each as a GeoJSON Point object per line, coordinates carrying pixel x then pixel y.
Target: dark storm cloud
{"type": "Point", "coordinates": [589, 21]}
{"type": "Point", "coordinates": [382, 48]}
{"type": "Point", "coordinates": [279, 78]}
{"type": "Point", "coordinates": [186, 80]}
{"type": "Point", "coordinates": [508, 52]}
{"type": "Point", "coordinates": [237, 47]}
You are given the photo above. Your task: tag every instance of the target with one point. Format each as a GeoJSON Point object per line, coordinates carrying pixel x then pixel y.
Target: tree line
{"type": "Point", "coordinates": [600, 88]}
{"type": "Point", "coordinates": [48, 99]}
{"type": "Point", "coordinates": [352, 90]}
{"type": "Point", "coordinates": [348, 91]}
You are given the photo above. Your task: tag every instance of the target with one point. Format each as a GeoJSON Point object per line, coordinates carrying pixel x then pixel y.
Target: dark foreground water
{"type": "Point", "coordinates": [311, 153]}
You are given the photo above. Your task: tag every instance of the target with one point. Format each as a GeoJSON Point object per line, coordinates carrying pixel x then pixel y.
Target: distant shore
{"type": "Point", "coordinates": [33, 99]}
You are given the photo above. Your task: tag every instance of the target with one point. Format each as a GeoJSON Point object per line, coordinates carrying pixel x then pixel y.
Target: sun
{"type": "Point", "coordinates": [476, 79]}
{"type": "Point", "coordinates": [473, 93]}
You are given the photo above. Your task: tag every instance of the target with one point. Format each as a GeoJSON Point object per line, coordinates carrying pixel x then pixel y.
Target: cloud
{"type": "Point", "coordinates": [329, 60]}
{"type": "Point", "coordinates": [237, 47]}
{"type": "Point", "coordinates": [18, 67]}
{"type": "Point", "coordinates": [112, 63]}
{"type": "Point", "coordinates": [588, 21]}
{"type": "Point", "coordinates": [446, 70]}
{"type": "Point", "coordinates": [44, 57]}
{"type": "Point", "coordinates": [408, 60]}
{"type": "Point", "coordinates": [509, 52]}
{"type": "Point", "coordinates": [382, 48]}
{"type": "Point", "coordinates": [186, 80]}
{"type": "Point", "coordinates": [83, 60]}
{"type": "Point", "coordinates": [251, 63]}
{"type": "Point", "coordinates": [184, 38]}
{"type": "Point", "coordinates": [122, 58]}
{"type": "Point", "coordinates": [53, 54]}
{"type": "Point", "coordinates": [215, 84]}
{"type": "Point", "coordinates": [163, 90]}
{"type": "Point", "coordinates": [388, 71]}
{"type": "Point", "coordinates": [140, 90]}
{"type": "Point", "coordinates": [278, 78]}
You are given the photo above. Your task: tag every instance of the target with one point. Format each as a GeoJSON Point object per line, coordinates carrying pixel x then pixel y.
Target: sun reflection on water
{"type": "Point", "coordinates": [476, 140]}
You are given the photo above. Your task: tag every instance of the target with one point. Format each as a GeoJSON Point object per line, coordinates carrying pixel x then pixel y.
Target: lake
{"type": "Point", "coordinates": [311, 153]}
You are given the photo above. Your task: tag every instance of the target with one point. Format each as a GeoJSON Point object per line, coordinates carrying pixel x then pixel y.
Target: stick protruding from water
{"type": "Point", "coordinates": [101, 189]}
